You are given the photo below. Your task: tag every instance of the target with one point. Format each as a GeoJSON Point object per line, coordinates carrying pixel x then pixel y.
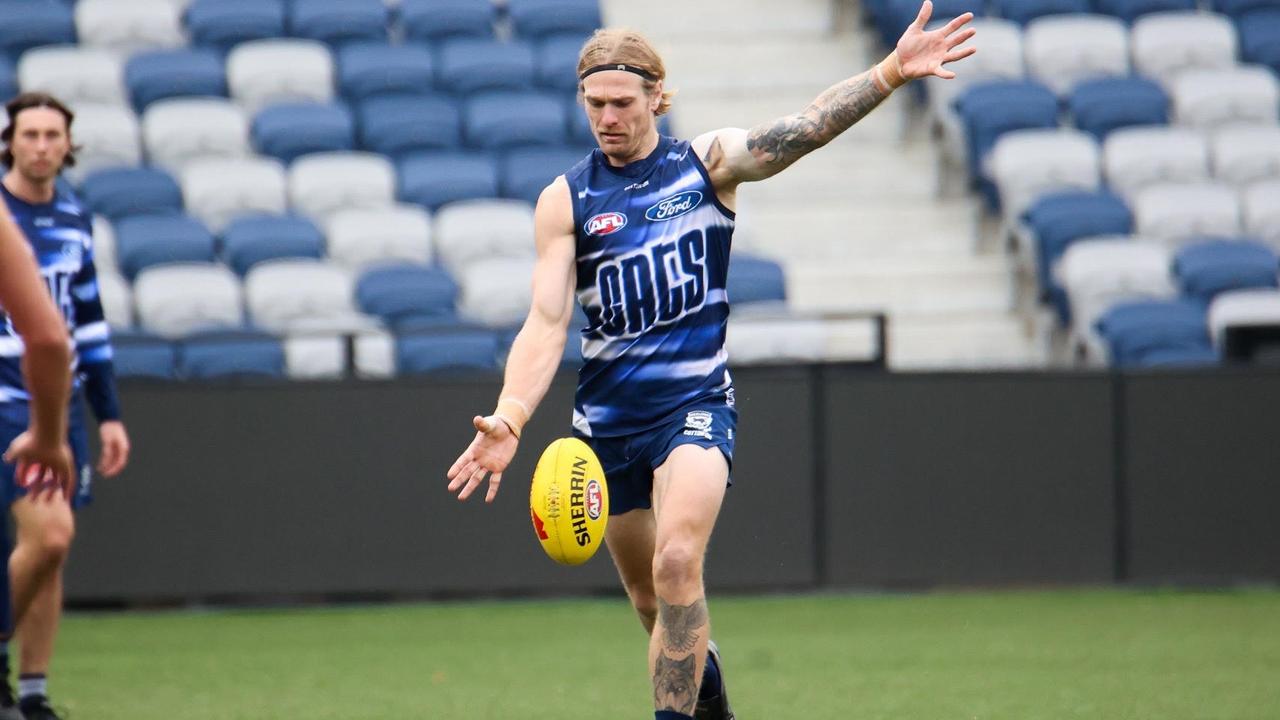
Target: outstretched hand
{"type": "Point", "coordinates": [923, 53]}
{"type": "Point", "coordinates": [488, 454]}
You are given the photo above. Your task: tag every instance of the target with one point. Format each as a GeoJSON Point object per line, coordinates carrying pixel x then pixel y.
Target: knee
{"type": "Point", "coordinates": [677, 565]}
{"type": "Point", "coordinates": [52, 542]}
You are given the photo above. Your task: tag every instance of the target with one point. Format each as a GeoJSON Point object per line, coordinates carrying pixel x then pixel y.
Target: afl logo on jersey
{"type": "Point", "coordinates": [606, 223]}
{"type": "Point", "coordinates": [674, 206]}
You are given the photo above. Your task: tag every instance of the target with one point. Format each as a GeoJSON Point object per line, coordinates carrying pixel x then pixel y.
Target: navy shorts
{"type": "Point", "coordinates": [13, 421]}
{"type": "Point", "coordinates": [629, 460]}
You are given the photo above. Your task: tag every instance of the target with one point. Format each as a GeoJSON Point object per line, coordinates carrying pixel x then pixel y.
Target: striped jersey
{"type": "Point", "coordinates": [652, 256]}
{"type": "Point", "coordinates": [60, 233]}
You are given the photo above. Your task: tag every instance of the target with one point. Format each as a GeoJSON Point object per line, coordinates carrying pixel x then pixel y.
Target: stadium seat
{"type": "Point", "coordinates": [539, 18]}
{"type": "Point", "coordinates": [489, 120]}
{"type": "Point", "coordinates": [247, 241]}
{"type": "Point", "coordinates": [223, 24]}
{"type": "Point", "coordinates": [145, 241]}
{"type": "Point", "coordinates": [174, 300]}
{"type": "Point", "coordinates": [161, 74]}
{"type": "Point", "coordinates": [183, 130]}
{"type": "Point", "coordinates": [73, 74]}
{"type": "Point", "coordinates": [1097, 273]}
{"type": "Point", "coordinates": [1135, 330]}
{"type": "Point", "coordinates": [263, 72]}
{"type": "Point", "coordinates": [1243, 308]}
{"type": "Point", "coordinates": [369, 69]}
{"type": "Point", "coordinates": [231, 354]}
{"type": "Point", "coordinates": [129, 26]}
{"type": "Point", "coordinates": [1182, 357]}
{"type": "Point", "coordinates": [360, 237]}
{"type": "Point", "coordinates": [754, 279]}
{"type": "Point", "coordinates": [1204, 269]}
{"type": "Point", "coordinates": [1106, 104]}
{"type": "Point", "coordinates": [8, 77]}
{"type": "Point", "coordinates": [1025, 164]}
{"type": "Point", "coordinates": [1238, 8]}
{"type": "Point", "coordinates": [116, 297]}
{"type": "Point", "coordinates": [400, 124]}
{"type": "Point", "coordinates": [1133, 158]}
{"type": "Point", "coordinates": [527, 171]}
{"type": "Point", "coordinates": [1058, 220]}
{"type": "Point", "coordinates": [991, 109]}
{"type": "Point", "coordinates": [1261, 202]}
{"type": "Point", "coordinates": [1131, 10]}
{"type": "Point", "coordinates": [217, 190]}
{"type": "Point", "coordinates": [496, 291]}
{"type": "Point", "coordinates": [434, 20]}
{"type": "Point", "coordinates": [1244, 154]}
{"type": "Point", "coordinates": [1063, 50]}
{"type": "Point", "coordinates": [1024, 11]}
{"type": "Point", "coordinates": [144, 356]}
{"type": "Point", "coordinates": [1178, 212]}
{"type": "Point", "coordinates": [301, 295]}
{"type": "Point", "coordinates": [108, 138]}
{"type": "Point", "coordinates": [471, 231]}
{"type": "Point", "coordinates": [118, 192]}
{"type": "Point", "coordinates": [557, 62]}
{"type": "Point", "coordinates": [290, 130]}
{"type": "Point", "coordinates": [446, 351]}
{"type": "Point", "coordinates": [104, 245]}
{"type": "Point", "coordinates": [27, 25]}
{"type": "Point", "coordinates": [1260, 37]}
{"type": "Point", "coordinates": [436, 178]}
{"type": "Point", "coordinates": [323, 183]}
{"type": "Point", "coordinates": [338, 21]}
{"type": "Point", "coordinates": [405, 293]}
{"type": "Point", "coordinates": [1168, 43]}
{"type": "Point", "coordinates": [469, 65]}
{"type": "Point", "coordinates": [1208, 98]}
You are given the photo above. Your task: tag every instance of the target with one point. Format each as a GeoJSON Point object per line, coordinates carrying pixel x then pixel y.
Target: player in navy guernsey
{"type": "Point", "coordinates": [639, 231]}
{"type": "Point", "coordinates": [59, 229]}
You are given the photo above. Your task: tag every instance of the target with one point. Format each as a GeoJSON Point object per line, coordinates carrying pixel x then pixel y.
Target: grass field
{"type": "Point", "coordinates": [1102, 655]}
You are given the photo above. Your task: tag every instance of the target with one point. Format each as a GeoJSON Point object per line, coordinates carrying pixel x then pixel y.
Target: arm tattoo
{"type": "Point", "coordinates": [674, 687]}
{"type": "Point", "coordinates": [681, 623]}
{"type": "Point", "coordinates": [786, 140]}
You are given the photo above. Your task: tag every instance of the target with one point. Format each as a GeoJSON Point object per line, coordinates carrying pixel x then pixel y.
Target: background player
{"type": "Point", "coordinates": [60, 231]}
{"type": "Point", "coordinates": [641, 230]}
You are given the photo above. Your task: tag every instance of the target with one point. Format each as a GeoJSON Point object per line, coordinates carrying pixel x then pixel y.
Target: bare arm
{"type": "Point", "coordinates": [535, 354]}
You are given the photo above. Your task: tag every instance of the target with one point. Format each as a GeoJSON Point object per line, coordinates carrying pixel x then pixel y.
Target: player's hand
{"type": "Point", "coordinates": [115, 448]}
{"type": "Point", "coordinates": [922, 54]}
{"type": "Point", "coordinates": [489, 454]}
{"type": "Point", "coordinates": [43, 467]}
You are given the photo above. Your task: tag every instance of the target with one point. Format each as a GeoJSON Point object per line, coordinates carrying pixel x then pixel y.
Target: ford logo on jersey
{"type": "Point", "coordinates": [674, 206]}
{"type": "Point", "coordinates": [606, 223]}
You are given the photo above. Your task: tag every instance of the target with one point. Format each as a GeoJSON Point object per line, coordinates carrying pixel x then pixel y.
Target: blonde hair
{"type": "Point", "coordinates": [608, 46]}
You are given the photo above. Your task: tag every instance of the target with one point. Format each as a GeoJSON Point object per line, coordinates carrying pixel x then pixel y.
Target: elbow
{"type": "Point", "coordinates": [47, 346]}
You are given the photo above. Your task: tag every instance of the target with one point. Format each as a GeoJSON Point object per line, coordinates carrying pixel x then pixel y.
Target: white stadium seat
{"type": "Point", "coordinates": [1234, 308]}
{"type": "Point", "coordinates": [1028, 163]}
{"type": "Point", "coordinates": [1166, 44]}
{"type": "Point", "coordinates": [265, 72]}
{"type": "Point", "coordinates": [1136, 157]}
{"type": "Point", "coordinates": [175, 300]}
{"type": "Point", "coordinates": [1243, 154]}
{"type": "Point", "coordinates": [1242, 94]}
{"type": "Point", "coordinates": [1180, 212]}
{"type": "Point", "coordinates": [117, 299]}
{"type": "Point", "coordinates": [104, 245]}
{"type": "Point", "coordinates": [473, 230]}
{"type": "Point", "coordinates": [302, 297]}
{"type": "Point", "coordinates": [321, 184]}
{"type": "Point", "coordinates": [180, 130]}
{"type": "Point", "coordinates": [217, 190]}
{"type": "Point", "coordinates": [129, 25]}
{"type": "Point", "coordinates": [1262, 211]}
{"type": "Point", "coordinates": [496, 291]}
{"type": "Point", "coordinates": [108, 137]}
{"type": "Point", "coordinates": [360, 236]}
{"type": "Point", "coordinates": [1062, 50]}
{"type": "Point", "coordinates": [74, 75]}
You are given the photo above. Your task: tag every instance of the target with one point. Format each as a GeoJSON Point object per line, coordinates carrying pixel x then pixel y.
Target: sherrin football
{"type": "Point", "coordinates": [569, 501]}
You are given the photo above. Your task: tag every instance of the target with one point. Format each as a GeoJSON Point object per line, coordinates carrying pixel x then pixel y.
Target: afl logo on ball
{"type": "Point", "coordinates": [606, 223]}
{"type": "Point", "coordinates": [594, 501]}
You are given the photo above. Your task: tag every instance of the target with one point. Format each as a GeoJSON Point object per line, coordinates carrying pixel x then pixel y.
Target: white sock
{"type": "Point", "coordinates": [32, 686]}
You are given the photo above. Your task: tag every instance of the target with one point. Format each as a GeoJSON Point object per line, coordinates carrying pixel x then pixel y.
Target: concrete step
{"type": "Point", "coordinates": [915, 286]}
{"type": "Point", "coordinates": [974, 342]}
{"type": "Point", "coordinates": [855, 230]}
{"type": "Point", "coordinates": [696, 21]}
{"type": "Point", "coordinates": [845, 172]}
{"type": "Point", "coordinates": [765, 64]}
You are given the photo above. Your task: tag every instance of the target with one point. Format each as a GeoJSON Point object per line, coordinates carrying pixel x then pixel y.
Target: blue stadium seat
{"type": "Point", "coordinates": [1130, 10]}
{"type": "Point", "coordinates": [1062, 218]}
{"type": "Point", "coordinates": [8, 78]}
{"type": "Point", "coordinates": [143, 241]}
{"type": "Point", "coordinates": [161, 74]}
{"type": "Point", "coordinates": [117, 192]}
{"type": "Point", "coordinates": [338, 21]}
{"type": "Point", "coordinates": [1237, 8]}
{"type": "Point", "coordinates": [1260, 37]}
{"type": "Point", "coordinates": [1182, 357]}
{"type": "Point", "coordinates": [1024, 11]}
{"type": "Point", "coordinates": [294, 129]}
{"type": "Point", "coordinates": [469, 64]}
{"type": "Point", "coordinates": [506, 119]}
{"type": "Point", "coordinates": [399, 124]}
{"type": "Point", "coordinates": [223, 23]}
{"type": "Point", "coordinates": [250, 240]}
{"type": "Point", "coordinates": [407, 294]}
{"type": "Point", "coordinates": [1205, 269]}
{"type": "Point", "coordinates": [143, 355]}
{"type": "Point", "coordinates": [231, 354]}
{"type": "Point", "coordinates": [755, 279]}
{"type": "Point", "coordinates": [1137, 330]}
{"type": "Point", "coordinates": [433, 179]}
{"type": "Point", "coordinates": [557, 57]}
{"type": "Point", "coordinates": [1106, 104]}
{"type": "Point", "coordinates": [991, 109]}
{"type": "Point", "coordinates": [31, 24]}
{"type": "Point", "coordinates": [367, 69]}
{"type": "Point", "coordinates": [433, 20]}
{"type": "Point", "coordinates": [447, 351]}
{"type": "Point", "coordinates": [527, 170]}
{"type": "Point", "coordinates": [536, 18]}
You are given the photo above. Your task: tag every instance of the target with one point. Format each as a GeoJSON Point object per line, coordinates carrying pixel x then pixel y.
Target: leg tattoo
{"type": "Point", "coordinates": [681, 623]}
{"type": "Point", "coordinates": [674, 686]}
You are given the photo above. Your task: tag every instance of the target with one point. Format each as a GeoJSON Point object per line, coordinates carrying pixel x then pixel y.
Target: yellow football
{"type": "Point", "coordinates": [569, 501]}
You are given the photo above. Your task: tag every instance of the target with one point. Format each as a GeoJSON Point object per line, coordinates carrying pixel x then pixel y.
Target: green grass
{"type": "Point", "coordinates": [1101, 655]}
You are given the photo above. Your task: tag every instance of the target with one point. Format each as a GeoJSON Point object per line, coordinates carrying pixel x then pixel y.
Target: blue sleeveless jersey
{"type": "Point", "coordinates": [652, 256]}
